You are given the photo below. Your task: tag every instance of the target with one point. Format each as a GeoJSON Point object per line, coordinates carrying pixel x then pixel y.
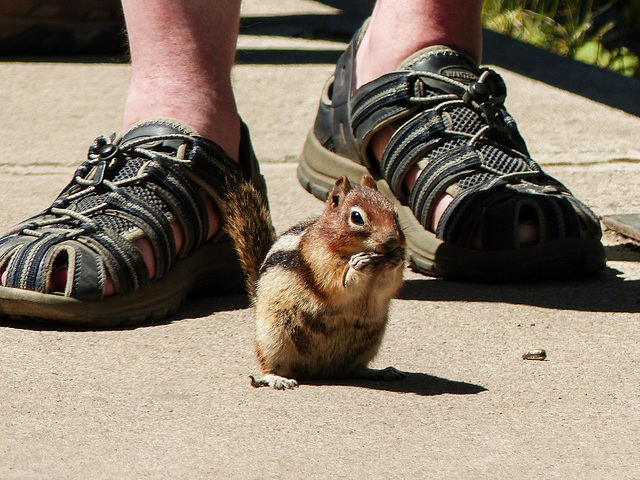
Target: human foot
{"type": "Point", "coordinates": [132, 234]}
{"type": "Point", "coordinates": [478, 207]}
{"type": "Point", "coordinates": [60, 275]}
{"type": "Point", "coordinates": [368, 68]}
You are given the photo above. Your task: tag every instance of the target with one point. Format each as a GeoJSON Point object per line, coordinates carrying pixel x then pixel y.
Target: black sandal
{"type": "Point", "coordinates": [450, 120]}
{"type": "Point", "coordinates": [132, 186]}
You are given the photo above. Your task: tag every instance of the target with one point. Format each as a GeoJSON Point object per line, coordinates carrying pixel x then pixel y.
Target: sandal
{"type": "Point", "coordinates": [450, 122]}
{"type": "Point", "coordinates": [132, 186]}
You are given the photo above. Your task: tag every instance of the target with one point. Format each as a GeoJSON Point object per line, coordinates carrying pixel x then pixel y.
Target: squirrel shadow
{"type": "Point", "coordinates": [415, 382]}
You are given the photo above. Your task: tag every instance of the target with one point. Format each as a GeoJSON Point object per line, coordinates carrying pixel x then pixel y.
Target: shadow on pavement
{"type": "Point", "coordinates": [606, 292]}
{"type": "Point", "coordinates": [598, 84]}
{"type": "Point", "coordinates": [335, 27]}
{"type": "Point", "coordinates": [626, 252]}
{"type": "Point", "coordinates": [416, 383]}
{"type": "Point", "coordinates": [196, 306]}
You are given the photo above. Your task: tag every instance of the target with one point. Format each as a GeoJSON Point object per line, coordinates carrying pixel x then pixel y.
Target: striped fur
{"type": "Point", "coordinates": [323, 294]}
{"type": "Point", "coordinates": [323, 290]}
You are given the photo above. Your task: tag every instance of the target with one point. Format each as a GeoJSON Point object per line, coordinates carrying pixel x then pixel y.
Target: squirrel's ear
{"type": "Point", "coordinates": [368, 181]}
{"type": "Point", "coordinates": [340, 189]}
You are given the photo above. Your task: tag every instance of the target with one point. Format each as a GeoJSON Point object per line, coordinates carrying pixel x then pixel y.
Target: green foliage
{"type": "Point", "coordinates": [568, 27]}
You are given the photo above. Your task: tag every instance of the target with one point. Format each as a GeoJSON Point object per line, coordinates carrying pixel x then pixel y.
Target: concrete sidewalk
{"type": "Point", "coordinates": [174, 400]}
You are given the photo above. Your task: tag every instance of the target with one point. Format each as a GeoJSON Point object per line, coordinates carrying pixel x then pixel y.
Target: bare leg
{"type": "Point", "coordinates": [181, 55]}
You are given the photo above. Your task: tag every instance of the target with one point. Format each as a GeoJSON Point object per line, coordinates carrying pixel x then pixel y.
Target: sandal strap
{"type": "Point", "coordinates": [380, 102]}
{"type": "Point", "coordinates": [130, 186]}
{"type": "Point", "coordinates": [456, 129]}
{"type": "Point", "coordinates": [449, 119]}
{"type": "Point", "coordinates": [461, 167]}
{"type": "Point", "coordinates": [425, 107]}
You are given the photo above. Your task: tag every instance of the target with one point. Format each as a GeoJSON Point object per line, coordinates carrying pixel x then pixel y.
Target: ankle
{"type": "Point", "coordinates": [398, 29]}
{"type": "Point", "coordinates": [182, 54]}
{"type": "Point", "coordinates": [212, 115]}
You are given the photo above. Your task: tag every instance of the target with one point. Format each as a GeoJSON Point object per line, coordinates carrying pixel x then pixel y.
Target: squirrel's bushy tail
{"type": "Point", "coordinates": [248, 224]}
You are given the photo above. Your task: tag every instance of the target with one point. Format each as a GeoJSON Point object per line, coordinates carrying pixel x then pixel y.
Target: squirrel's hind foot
{"type": "Point", "coordinates": [274, 381]}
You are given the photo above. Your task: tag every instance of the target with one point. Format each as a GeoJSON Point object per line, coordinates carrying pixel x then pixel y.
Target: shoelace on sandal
{"type": "Point", "coordinates": [105, 155]}
{"type": "Point", "coordinates": [456, 130]}
{"type": "Point", "coordinates": [65, 221]}
{"type": "Point", "coordinates": [483, 98]}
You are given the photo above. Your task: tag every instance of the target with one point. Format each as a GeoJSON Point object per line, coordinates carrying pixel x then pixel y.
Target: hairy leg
{"type": "Point", "coordinates": [182, 53]}
{"type": "Point", "coordinates": [399, 28]}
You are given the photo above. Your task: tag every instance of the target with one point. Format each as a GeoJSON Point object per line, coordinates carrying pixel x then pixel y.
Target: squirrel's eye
{"type": "Point", "coordinates": [356, 218]}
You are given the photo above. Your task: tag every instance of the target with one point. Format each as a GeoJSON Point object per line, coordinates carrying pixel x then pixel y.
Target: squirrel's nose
{"type": "Point", "coordinates": [390, 242]}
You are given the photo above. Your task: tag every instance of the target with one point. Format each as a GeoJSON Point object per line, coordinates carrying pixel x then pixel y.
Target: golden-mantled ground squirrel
{"type": "Point", "coordinates": [322, 293]}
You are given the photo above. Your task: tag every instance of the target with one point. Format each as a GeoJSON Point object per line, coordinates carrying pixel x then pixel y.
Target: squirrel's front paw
{"type": "Point", "coordinates": [359, 264]}
{"type": "Point", "coordinates": [363, 261]}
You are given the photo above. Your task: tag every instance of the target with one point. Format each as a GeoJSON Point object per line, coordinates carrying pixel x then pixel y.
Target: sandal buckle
{"type": "Point", "coordinates": [109, 157]}
{"type": "Point", "coordinates": [97, 175]}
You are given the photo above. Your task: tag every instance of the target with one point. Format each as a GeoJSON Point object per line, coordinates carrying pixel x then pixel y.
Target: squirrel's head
{"type": "Point", "coordinates": [359, 218]}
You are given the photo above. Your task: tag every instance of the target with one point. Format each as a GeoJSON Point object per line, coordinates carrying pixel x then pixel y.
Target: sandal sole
{"type": "Point", "coordinates": [319, 168]}
{"type": "Point", "coordinates": [149, 304]}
